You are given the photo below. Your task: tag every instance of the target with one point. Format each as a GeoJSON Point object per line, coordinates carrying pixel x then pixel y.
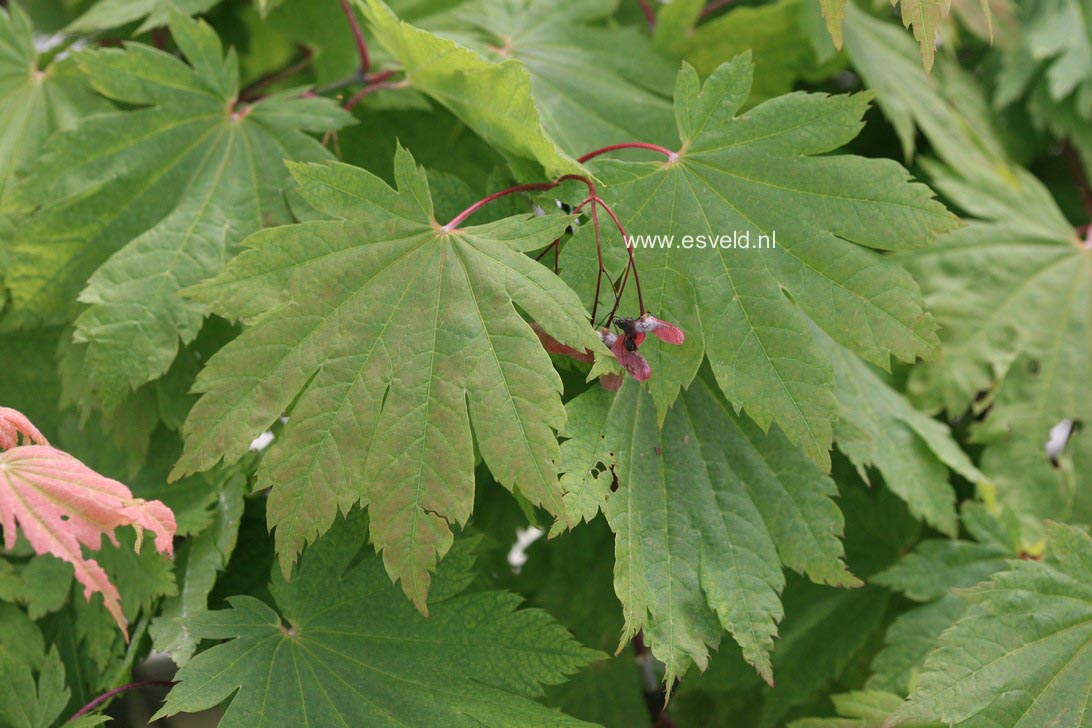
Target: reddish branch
{"type": "Point", "coordinates": [358, 36]}
{"type": "Point", "coordinates": [117, 691]}
{"type": "Point", "coordinates": [1073, 161]}
{"type": "Point", "coordinates": [709, 9]}
{"type": "Point", "coordinates": [714, 6]}
{"type": "Point", "coordinates": [250, 93]}
{"type": "Point", "coordinates": [630, 266]}
{"type": "Point", "coordinates": [373, 83]}
{"type": "Point", "coordinates": [671, 156]}
{"type": "Point", "coordinates": [533, 187]}
{"type": "Point", "coordinates": [595, 202]}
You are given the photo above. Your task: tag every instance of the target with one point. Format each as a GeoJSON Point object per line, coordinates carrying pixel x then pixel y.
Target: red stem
{"type": "Point", "coordinates": [116, 691]}
{"type": "Point", "coordinates": [599, 259]}
{"type": "Point", "coordinates": [373, 84]}
{"type": "Point", "coordinates": [1073, 161]}
{"type": "Point", "coordinates": [631, 265]}
{"type": "Point", "coordinates": [714, 6]}
{"type": "Point", "coordinates": [358, 36]}
{"type": "Point", "coordinates": [249, 93]}
{"type": "Point", "coordinates": [671, 156]}
{"type": "Point", "coordinates": [598, 254]}
{"type": "Point", "coordinates": [593, 199]}
{"type": "Point", "coordinates": [648, 12]}
{"type": "Point", "coordinates": [534, 187]}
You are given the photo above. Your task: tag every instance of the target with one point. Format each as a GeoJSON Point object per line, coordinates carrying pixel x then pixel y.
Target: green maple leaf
{"type": "Point", "coordinates": [705, 514]}
{"type": "Point", "coordinates": [878, 427]}
{"type": "Point", "coordinates": [1020, 657]}
{"type": "Point", "coordinates": [493, 99]}
{"type": "Point", "coordinates": [946, 105]}
{"type": "Point", "coordinates": [933, 573]}
{"type": "Point", "coordinates": [146, 202]}
{"type": "Point", "coordinates": [342, 648]}
{"type": "Point", "coordinates": [558, 44]}
{"type": "Point", "coordinates": [936, 566]}
{"type": "Point", "coordinates": [34, 103]}
{"type": "Point", "coordinates": [923, 16]}
{"type": "Point", "coordinates": [747, 310]}
{"type": "Point", "coordinates": [774, 34]}
{"type": "Point", "coordinates": [608, 690]}
{"type": "Point", "coordinates": [824, 631]}
{"type": "Point", "coordinates": [1054, 52]}
{"type": "Point", "coordinates": [106, 14]}
{"type": "Point", "coordinates": [675, 21]}
{"type": "Point", "coordinates": [397, 337]}
{"type": "Point", "coordinates": [48, 583]}
{"type": "Point", "coordinates": [265, 7]}
{"type": "Point", "coordinates": [26, 703]}
{"type": "Point", "coordinates": [1011, 291]}
{"type": "Point", "coordinates": [858, 709]}
{"type": "Point", "coordinates": [20, 638]}
{"type": "Point", "coordinates": [197, 564]}
{"type": "Point", "coordinates": [42, 584]}
{"type": "Point", "coordinates": [835, 12]}
{"type": "Point", "coordinates": [909, 640]}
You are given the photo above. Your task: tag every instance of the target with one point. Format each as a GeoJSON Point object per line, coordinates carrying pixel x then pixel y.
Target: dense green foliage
{"type": "Point", "coordinates": [313, 308]}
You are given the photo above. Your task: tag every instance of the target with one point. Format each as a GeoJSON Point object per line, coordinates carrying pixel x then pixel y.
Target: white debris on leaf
{"type": "Point", "coordinates": [517, 555]}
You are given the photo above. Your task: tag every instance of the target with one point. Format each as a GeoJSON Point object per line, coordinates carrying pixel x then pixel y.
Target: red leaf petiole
{"type": "Point", "coordinates": [671, 156]}
{"type": "Point", "coordinates": [117, 691]}
{"type": "Point", "coordinates": [592, 199]}
{"type": "Point", "coordinates": [358, 37]}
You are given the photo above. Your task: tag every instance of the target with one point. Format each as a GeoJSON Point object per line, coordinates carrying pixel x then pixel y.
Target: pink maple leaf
{"type": "Point", "coordinates": [61, 504]}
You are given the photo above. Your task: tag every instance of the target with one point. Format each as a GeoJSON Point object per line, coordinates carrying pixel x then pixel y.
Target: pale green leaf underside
{"type": "Point", "coordinates": [946, 105]}
{"type": "Point", "coordinates": [1052, 56]}
{"type": "Point", "coordinates": [748, 310]}
{"type": "Point", "coordinates": [397, 338]}
{"type": "Point", "coordinates": [558, 44]}
{"type": "Point", "coordinates": [924, 17]}
{"type": "Point", "coordinates": [1012, 291]}
{"type": "Point", "coordinates": [493, 99]}
{"type": "Point", "coordinates": [1021, 656]}
{"type": "Point", "coordinates": [1016, 313]}
{"type": "Point", "coordinates": [705, 514]}
{"type": "Point", "coordinates": [342, 648]}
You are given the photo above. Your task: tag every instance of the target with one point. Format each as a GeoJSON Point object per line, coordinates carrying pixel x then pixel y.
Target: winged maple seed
{"type": "Point", "coordinates": [623, 347]}
{"type": "Point", "coordinates": [633, 335]}
{"type": "Point", "coordinates": [61, 504]}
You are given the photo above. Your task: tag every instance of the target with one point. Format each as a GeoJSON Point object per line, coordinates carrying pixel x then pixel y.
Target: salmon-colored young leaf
{"type": "Point", "coordinates": [61, 504]}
